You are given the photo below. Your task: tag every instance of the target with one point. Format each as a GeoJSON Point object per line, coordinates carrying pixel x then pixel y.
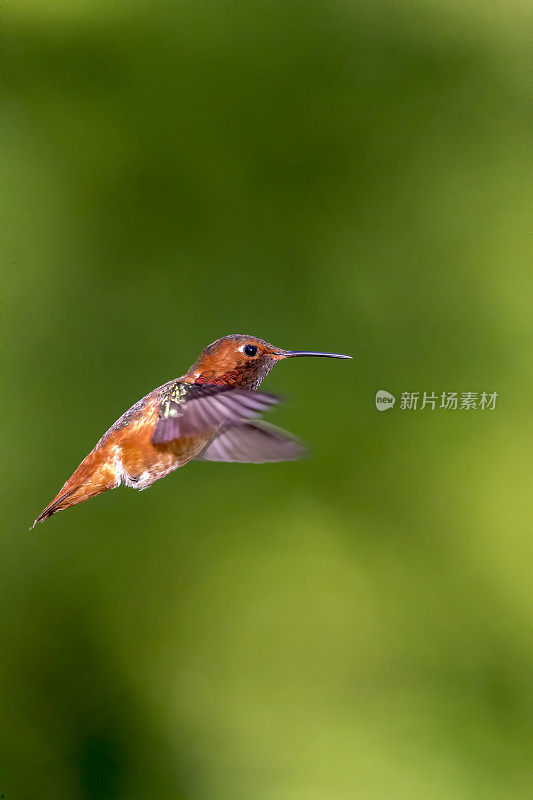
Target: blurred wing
{"type": "Point", "coordinates": [253, 443]}
{"type": "Point", "coordinates": [196, 410]}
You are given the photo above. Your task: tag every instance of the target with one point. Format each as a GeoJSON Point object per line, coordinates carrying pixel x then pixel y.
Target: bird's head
{"type": "Point", "coordinates": [239, 360]}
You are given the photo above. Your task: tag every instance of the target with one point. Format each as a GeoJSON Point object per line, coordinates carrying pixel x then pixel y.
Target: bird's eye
{"type": "Point", "coordinates": [250, 350]}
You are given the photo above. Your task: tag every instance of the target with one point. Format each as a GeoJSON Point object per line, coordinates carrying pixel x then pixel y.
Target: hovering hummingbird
{"type": "Point", "coordinates": [209, 414]}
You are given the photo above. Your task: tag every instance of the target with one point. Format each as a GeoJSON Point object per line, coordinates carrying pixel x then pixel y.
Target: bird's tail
{"type": "Point", "coordinates": [59, 503]}
{"type": "Point", "coordinates": [87, 481]}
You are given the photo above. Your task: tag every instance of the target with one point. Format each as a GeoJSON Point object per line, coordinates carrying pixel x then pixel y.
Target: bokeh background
{"type": "Point", "coordinates": [343, 176]}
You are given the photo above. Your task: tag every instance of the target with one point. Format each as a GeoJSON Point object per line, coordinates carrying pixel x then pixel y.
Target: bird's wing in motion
{"type": "Point", "coordinates": [188, 409]}
{"type": "Point", "coordinates": [252, 443]}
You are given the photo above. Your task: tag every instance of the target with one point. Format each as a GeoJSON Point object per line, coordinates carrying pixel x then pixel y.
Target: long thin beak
{"type": "Point", "coordinates": [293, 353]}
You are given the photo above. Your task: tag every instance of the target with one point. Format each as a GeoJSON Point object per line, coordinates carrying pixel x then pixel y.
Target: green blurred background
{"type": "Point", "coordinates": [340, 176]}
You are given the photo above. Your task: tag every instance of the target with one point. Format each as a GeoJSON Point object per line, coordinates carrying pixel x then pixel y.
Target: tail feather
{"type": "Point", "coordinates": [87, 481]}
{"type": "Point", "coordinates": [55, 505]}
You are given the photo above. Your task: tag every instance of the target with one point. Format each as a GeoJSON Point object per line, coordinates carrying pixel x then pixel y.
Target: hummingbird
{"type": "Point", "coordinates": [208, 414]}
